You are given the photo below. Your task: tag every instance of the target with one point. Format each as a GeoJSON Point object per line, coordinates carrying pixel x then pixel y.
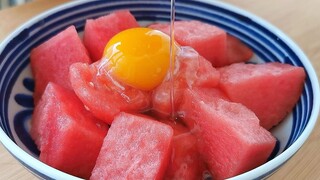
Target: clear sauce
{"type": "Point", "coordinates": [172, 58]}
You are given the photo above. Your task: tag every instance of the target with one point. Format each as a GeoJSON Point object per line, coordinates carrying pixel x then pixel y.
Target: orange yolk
{"type": "Point", "coordinates": [138, 57]}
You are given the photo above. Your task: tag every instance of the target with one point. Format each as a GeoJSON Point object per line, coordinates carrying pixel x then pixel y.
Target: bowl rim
{"type": "Point", "coordinates": [25, 158]}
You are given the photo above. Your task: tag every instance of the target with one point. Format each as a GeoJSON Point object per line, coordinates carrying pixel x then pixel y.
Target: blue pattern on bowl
{"type": "Point", "coordinates": [268, 43]}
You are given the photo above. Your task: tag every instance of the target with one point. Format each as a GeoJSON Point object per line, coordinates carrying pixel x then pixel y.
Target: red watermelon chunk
{"type": "Point", "coordinates": [98, 32]}
{"type": "Point", "coordinates": [186, 162]}
{"type": "Point", "coordinates": [214, 44]}
{"type": "Point", "coordinates": [102, 96]}
{"type": "Point", "coordinates": [210, 94]}
{"type": "Point", "coordinates": [191, 70]}
{"type": "Point", "coordinates": [51, 60]}
{"type": "Point", "coordinates": [67, 135]}
{"type": "Point", "coordinates": [237, 51]}
{"type": "Point", "coordinates": [230, 139]}
{"type": "Point", "coordinates": [270, 90]}
{"type": "Point", "coordinates": [208, 40]}
{"type": "Point", "coordinates": [136, 147]}
{"type": "Point", "coordinates": [161, 97]}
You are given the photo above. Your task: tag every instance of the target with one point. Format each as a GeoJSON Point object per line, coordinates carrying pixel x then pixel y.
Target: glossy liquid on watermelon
{"type": "Point", "coordinates": [102, 96]}
{"type": "Point", "coordinates": [191, 71]}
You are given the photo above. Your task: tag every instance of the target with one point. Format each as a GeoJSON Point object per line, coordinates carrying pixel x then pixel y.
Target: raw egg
{"type": "Point", "coordinates": [138, 57]}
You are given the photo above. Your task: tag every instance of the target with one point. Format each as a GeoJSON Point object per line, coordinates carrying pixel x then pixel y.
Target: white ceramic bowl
{"type": "Point", "coordinates": [268, 43]}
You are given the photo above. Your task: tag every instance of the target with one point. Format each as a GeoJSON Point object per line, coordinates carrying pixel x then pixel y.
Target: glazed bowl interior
{"type": "Point", "coordinates": [268, 43]}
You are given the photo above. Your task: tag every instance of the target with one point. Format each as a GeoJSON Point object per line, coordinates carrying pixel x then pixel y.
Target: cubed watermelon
{"type": "Point", "coordinates": [208, 40]}
{"type": "Point", "coordinates": [68, 136]}
{"type": "Point", "coordinates": [210, 93]}
{"type": "Point", "coordinates": [237, 51]}
{"type": "Point", "coordinates": [98, 32]}
{"type": "Point", "coordinates": [104, 97]}
{"type": "Point", "coordinates": [270, 90]}
{"type": "Point", "coordinates": [136, 147]}
{"type": "Point", "coordinates": [191, 70]}
{"type": "Point", "coordinates": [230, 139]}
{"type": "Point", "coordinates": [186, 162]}
{"type": "Point", "coordinates": [214, 44]}
{"type": "Point", "coordinates": [50, 61]}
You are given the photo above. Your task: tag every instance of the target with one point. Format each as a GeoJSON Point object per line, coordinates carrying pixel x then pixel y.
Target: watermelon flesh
{"type": "Point", "coordinates": [191, 70]}
{"type": "Point", "coordinates": [136, 147]}
{"type": "Point", "coordinates": [98, 32]}
{"type": "Point", "coordinates": [186, 162]}
{"type": "Point", "coordinates": [270, 90]}
{"type": "Point", "coordinates": [237, 51]}
{"type": "Point", "coordinates": [218, 132]}
{"type": "Point", "coordinates": [230, 139]}
{"type": "Point", "coordinates": [102, 96]}
{"type": "Point", "coordinates": [209, 41]}
{"type": "Point", "coordinates": [51, 60]}
{"type": "Point", "coordinates": [68, 136]}
{"type": "Point", "coordinates": [210, 93]}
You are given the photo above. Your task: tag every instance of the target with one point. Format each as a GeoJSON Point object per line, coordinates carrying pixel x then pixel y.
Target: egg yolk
{"type": "Point", "coordinates": [138, 57]}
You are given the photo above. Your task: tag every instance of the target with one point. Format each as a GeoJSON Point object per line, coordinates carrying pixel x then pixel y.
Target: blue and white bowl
{"type": "Point", "coordinates": [268, 43]}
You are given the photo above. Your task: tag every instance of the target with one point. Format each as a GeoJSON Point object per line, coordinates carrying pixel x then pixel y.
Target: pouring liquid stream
{"type": "Point", "coordinates": [172, 58]}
